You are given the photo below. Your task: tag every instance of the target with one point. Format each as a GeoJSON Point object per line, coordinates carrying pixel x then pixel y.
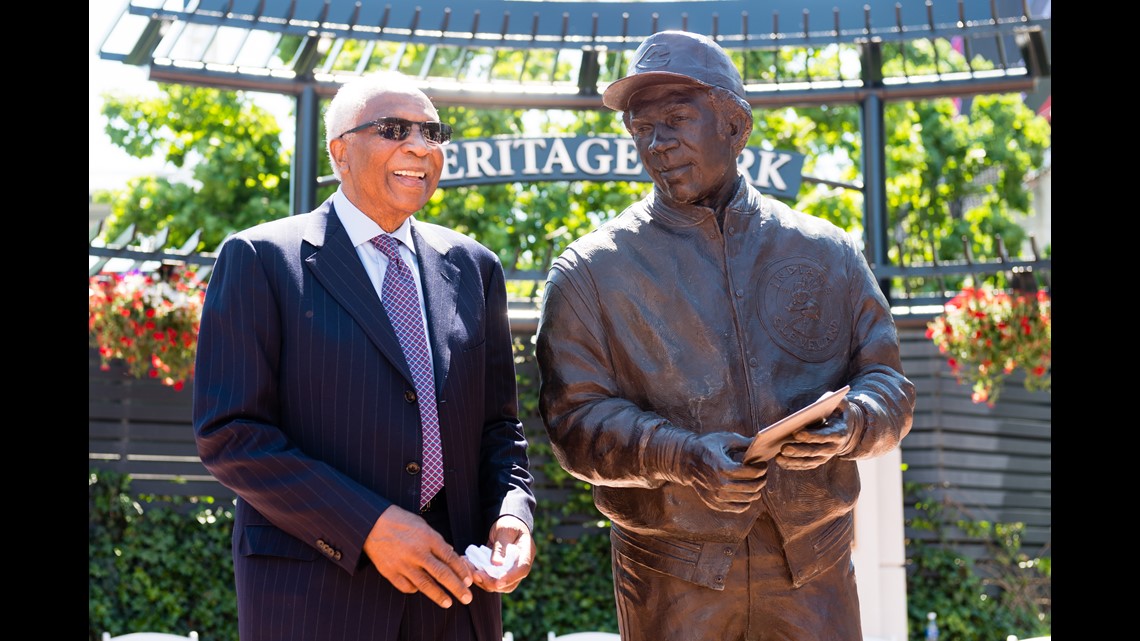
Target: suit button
{"type": "Point", "coordinates": [410, 396]}
{"type": "Point", "coordinates": [412, 468]}
{"type": "Point", "coordinates": [328, 550]}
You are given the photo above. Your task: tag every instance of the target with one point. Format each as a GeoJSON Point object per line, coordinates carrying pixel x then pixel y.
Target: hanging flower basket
{"type": "Point", "coordinates": [150, 321]}
{"type": "Point", "coordinates": [987, 334]}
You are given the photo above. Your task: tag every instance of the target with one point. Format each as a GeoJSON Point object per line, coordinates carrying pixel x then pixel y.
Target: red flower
{"type": "Point", "coordinates": [136, 318]}
{"type": "Point", "coordinates": [978, 333]}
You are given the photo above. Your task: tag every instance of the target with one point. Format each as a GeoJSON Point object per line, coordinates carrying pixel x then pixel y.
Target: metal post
{"type": "Point", "coordinates": [875, 186]}
{"type": "Point", "coordinates": [303, 196]}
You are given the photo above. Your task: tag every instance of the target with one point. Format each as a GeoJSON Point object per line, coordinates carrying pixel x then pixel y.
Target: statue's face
{"type": "Point", "coordinates": [684, 143]}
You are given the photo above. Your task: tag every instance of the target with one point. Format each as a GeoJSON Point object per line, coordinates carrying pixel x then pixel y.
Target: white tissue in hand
{"type": "Point", "coordinates": [481, 557]}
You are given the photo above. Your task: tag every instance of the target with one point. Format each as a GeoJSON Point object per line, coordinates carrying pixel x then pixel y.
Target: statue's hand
{"type": "Point", "coordinates": [813, 446]}
{"type": "Point", "coordinates": [710, 463]}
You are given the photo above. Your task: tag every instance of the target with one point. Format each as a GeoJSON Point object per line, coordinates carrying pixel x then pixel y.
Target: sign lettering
{"type": "Point", "coordinates": [504, 159]}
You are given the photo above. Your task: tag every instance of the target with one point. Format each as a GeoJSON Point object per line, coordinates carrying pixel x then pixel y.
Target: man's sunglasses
{"type": "Point", "coordinates": [435, 132]}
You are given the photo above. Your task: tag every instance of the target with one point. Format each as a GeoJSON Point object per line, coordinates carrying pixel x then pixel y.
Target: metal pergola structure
{"type": "Point", "coordinates": [479, 53]}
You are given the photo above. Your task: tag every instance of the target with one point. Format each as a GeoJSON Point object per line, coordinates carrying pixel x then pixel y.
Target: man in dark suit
{"type": "Point", "coordinates": [308, 402]}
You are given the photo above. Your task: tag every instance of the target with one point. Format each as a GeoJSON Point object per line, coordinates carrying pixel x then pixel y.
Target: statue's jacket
{"type": "Point", "coordinates": [659, 320]}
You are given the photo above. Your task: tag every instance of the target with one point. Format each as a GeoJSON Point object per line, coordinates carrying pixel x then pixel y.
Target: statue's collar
{"type": "Point", "coordinates": [666, 211]}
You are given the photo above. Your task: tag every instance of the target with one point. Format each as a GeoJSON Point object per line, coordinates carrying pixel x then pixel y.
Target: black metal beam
{"type": "Point", "coordinates": [303, 178]}
{"type": "Point", "coordinates": [464, 95]}
{"type": "Point", "coordinates": [615, 25]}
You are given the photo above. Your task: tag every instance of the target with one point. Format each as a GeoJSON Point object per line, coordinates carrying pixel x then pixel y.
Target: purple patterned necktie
{"type": "Point", "coordinates": [402, 303]}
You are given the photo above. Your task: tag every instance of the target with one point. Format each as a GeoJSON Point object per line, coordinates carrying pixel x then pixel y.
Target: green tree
{"type": "Point", "coordinates": [240, 173]}
{"type": "Point", "coordinates": [957, 169]}
{"type": "Point", "coordinates": [962, 174]}
{"type": "Point", "coordinates": [528, 223]}
{"type": "Point", "coordinates": [954, 168]}
{"type": "Point", "coordinates": [949, 174]}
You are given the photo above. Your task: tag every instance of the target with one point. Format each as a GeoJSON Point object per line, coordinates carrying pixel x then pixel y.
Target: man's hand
{"type": "Point", "coordinates": [415, 558]}
{"type": "Point", "coordinates": [710, 464]}
{"type": "Point", "coordinates": [813, 446]}
{"type": "Point", "coordinates": [507, 534]}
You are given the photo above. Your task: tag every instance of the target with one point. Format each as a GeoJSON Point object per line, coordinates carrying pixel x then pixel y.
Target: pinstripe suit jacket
{"type": "Point", "coordinates": [301, 408]}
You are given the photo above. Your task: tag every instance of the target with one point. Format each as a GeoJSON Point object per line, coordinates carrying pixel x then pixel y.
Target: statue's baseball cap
{"type": "Point", "coordinates": [675, 57]}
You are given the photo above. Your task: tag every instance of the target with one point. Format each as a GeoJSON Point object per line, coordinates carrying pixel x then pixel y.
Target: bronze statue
{"type": "Point", "coordinates": [672, 334]}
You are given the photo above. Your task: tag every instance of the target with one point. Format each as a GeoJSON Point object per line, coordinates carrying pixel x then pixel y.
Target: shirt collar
{"type": "Point", "coordinates": [361, 228]}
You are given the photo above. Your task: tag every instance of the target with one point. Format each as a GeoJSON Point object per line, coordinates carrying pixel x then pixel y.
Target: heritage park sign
{"type": "Point", "coordinates": [506, 159]}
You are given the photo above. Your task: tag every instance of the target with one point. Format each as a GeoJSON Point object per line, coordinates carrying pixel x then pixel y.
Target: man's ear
{"type": "Point", "coordinates": [336, 150]}
{"type": "Point", "coordinates": [740, 129]}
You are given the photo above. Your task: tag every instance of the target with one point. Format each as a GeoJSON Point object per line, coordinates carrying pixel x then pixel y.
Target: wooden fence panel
{"type": "Point", "coordinates": [991, 464]}
{"type": "Point", "coordinates": [143, 428]}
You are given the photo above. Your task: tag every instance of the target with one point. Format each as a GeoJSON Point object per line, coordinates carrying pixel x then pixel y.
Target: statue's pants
{"type": "Point", "coordinates": [758, 603]}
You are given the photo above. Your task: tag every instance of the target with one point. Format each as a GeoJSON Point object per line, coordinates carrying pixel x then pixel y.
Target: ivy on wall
{"type": "Point", "coordinates": [1008, 593]}
{"type": "Point", "coordinates": [157, 564]}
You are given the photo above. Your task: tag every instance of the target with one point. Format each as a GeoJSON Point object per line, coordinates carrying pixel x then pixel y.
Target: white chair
{"type": "Point", "coordinates": [584, 636]}
{"type": "Point", "coordinates": [151, 636]}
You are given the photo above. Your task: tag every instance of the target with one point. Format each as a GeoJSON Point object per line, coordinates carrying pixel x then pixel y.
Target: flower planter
{"type": "Point", "coordinates": [987, 334]}
{"type": "Point", "coordinates": [149, 321]}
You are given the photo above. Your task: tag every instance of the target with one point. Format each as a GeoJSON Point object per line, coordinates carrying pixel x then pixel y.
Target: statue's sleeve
{"type": "Point", "coordinates": [596, 435]}
{"type": "Point", "coordinates": [883, 396]}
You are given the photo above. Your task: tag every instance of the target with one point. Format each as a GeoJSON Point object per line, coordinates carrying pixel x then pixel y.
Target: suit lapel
{"type": "Point", "coordinates": [441, 287]}
{"type": "Point", "coordinates": [337, 267]}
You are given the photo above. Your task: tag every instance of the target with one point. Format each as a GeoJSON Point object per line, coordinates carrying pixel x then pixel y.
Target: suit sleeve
{"type": "Point", "coordinates": [237, 413]}
{"type": "Point", "coordinates": [505, 476]}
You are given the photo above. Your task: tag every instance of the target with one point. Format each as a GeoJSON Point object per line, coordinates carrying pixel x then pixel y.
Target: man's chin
{"type": "Point", "coordinates": [679, 194]}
